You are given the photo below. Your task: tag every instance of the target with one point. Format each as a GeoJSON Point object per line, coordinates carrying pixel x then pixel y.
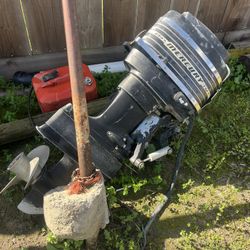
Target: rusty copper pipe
{"type": "Point", "coordinates": [77, 88]}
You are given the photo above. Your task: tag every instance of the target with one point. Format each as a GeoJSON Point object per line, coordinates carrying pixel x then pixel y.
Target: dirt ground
{"type": "Point", "coordinates": [18, 230]}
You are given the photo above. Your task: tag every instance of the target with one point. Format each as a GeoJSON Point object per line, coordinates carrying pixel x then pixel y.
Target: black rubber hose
{"type": "Point", "coordinates": [160, 208]}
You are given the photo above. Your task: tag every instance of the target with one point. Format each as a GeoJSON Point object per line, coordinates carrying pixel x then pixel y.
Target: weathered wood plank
{"type": "Point", "coordinates": [45, 25]}
{"type": "Point", "coordinates": [211, 13]}
{"type": "Point", "coordinates": [236, 16]}
{"type": "Point", "coordinates": [241, 45]}
{"type": "Point", "coordinates": [90, 23]}
{"type": "Point", "coordinates": [236, 36]}
{"type": "Point", "coordinates": [185, 5]}
{"type": "Point", "coordinates": [22, 129]}
{"type": "Point", "coordinates": [9, 66]}
{"type": "Point", "coordinates": [148, 12]}
{"type": "Point", "coordinates": [13, 38]}
{"type": "Point", "coordinates": [119, 21]}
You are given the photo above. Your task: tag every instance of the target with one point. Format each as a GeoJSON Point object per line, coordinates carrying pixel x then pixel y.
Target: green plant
{"type": "Point", "coordinates": [3, 83]}
{"type": "Point", "coordinates": [239, 79]}
{"type": "Point", "coordinates": [125, 232]}
{"type": "Point", "coordinates": [14, 106]}
{"type": "Point", "coordinates": [221, 133]}
{"type": "Point", "coordinates": [53, 243]}
{"type": "Point", "coordinates": [107, 82]}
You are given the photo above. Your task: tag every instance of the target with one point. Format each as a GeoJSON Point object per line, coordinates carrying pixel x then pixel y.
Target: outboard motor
{"type": "Point", "coordinates": [175, 68]}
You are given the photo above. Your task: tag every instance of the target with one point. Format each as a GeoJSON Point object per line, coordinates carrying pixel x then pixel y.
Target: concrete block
{"type": "Point", "coordinates": [77, 216]}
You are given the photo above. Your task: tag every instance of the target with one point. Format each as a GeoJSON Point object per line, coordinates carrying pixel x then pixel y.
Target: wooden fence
{"type": "Point", "coordinates": [31, 27]}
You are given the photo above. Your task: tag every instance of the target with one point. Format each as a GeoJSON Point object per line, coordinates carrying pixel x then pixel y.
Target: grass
{"type": "Point", "coordinates": [210, 205]}
{"type": "Point", "coordinates": [12, 106]}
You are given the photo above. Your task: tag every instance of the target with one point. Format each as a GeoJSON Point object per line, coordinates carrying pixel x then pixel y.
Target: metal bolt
{"type": "Point", "coordinates": [87, 80]}
{"type": "Point", "coordinates": [141, 165]}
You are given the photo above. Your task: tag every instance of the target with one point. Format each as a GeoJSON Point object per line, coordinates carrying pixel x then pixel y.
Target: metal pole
{"type": "Point", "coordinates": [77, 88]}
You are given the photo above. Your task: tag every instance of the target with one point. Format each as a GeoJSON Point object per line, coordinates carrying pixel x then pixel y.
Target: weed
{"type": "Point", "coordinates": [13, 106]}
{"type": "Point", "coordinates": [188, 184]}
{"type": "Point", "coordinates": [239, 79]}
{"type": "Point", "coordinates": [55, 244]}
{"type": "Point", "coordinates": [107, 82]}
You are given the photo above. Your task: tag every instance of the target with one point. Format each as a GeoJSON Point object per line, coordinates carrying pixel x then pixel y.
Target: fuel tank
{"type": "Point", "coordinates": [52, 87]}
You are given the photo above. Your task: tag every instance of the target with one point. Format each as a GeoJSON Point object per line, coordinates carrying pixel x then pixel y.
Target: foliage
{"type": "Point", "coordinates": [239, 79]}
{"type": "Point", "coordinates": [3, 83]}
{"type": "Point", "coordinates": [107, 82]}
{"type": "Point", "coordinates": [125, 231]}
{"type": "Point", "coordinates": [55, 244]}
{"type": "Point", "coordinates": [125, 236]}
{"type": "Point", "coordinates": [221, 137]}
{"type": "Point", "coordinates": [13, 106]}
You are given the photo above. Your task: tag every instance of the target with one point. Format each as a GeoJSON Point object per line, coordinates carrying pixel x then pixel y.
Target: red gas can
{"type": "Point", "coordinates": [52, 87]}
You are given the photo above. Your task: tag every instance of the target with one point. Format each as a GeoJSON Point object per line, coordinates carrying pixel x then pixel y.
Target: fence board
{"type": "Point", "coordinates": [35, 63]}
{"type": "Point", "coordinates": [211, 13]}
{"type": "Point", "coordinates": [237, 15]}
{"type": "Point", "coordinates": [185, 5]}
{"type": "Point", "coordinates": [45, 25]}
{"type": "Point", "coordinates": [236, 36]}
{"type": "Point", "coordinates": [13, 39]}
{"type": "Point", "coordinates": [119, 21]}
{"type": "Point", "coordinates": [123, 19]}
{"type": "Point", "coordinates": [90, 23]}
{"type": "Point", "coordinates": [148, 12]}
